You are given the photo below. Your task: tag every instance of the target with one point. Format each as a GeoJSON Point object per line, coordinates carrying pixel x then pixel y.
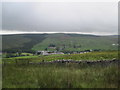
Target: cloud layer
{"type": "Point", "coordinates": [60, 17]}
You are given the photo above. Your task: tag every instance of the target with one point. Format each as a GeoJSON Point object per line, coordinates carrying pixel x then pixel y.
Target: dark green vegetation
{"type": "Point", "coordinates": [18, 54]}
{"type": "Point", "coordinates": [60, 76]}
{"type": "Point", "coordinates": [59, 42]}
{"type": "Point", "coordinates": [22, 42]}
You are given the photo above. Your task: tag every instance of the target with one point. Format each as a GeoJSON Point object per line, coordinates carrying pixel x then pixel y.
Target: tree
{"type": "Point", "coordinates": [8, 55]}
{"type": "Point", "coordinates": [52, 45]}
{"type": "Point", "coordinates": [19, 52]}
{"type": "Point", "coordinates": [46, 49]}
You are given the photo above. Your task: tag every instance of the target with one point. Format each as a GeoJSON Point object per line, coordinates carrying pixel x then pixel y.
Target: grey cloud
{"type": "Point", "coordinates": [61, 17]}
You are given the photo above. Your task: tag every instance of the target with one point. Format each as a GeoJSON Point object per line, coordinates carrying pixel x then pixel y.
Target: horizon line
{"type": "Point", "coordinates": [18, 32]}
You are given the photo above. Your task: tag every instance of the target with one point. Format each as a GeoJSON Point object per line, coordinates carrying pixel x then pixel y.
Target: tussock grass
{"type": "Point", "coordinates": [60, 76]}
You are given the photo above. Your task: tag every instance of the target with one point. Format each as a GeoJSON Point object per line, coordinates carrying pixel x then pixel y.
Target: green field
{"type": "Point", "coordinates": [106, 55]}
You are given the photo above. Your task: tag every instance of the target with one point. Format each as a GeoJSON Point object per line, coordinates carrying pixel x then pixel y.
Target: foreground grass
{"type": "Point", "coordinates": [60, 76]}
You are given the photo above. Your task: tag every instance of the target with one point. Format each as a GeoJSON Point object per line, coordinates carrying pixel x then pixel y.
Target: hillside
{"type": "Point", "coordinates": [59, 42]}
{"type": "Point", "coordinates": [76, 42]}
{"type": "Point", "coordinates": [22, 42]}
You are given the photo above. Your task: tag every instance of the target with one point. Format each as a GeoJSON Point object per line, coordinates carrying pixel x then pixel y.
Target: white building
{"type": "Point", "coordinates": [47, 53]}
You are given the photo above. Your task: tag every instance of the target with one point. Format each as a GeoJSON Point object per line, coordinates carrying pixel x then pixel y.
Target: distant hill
{"type": "Point", "coordinates": [58, 41]}
{"type": "Point", "coordinates": [22, 42]}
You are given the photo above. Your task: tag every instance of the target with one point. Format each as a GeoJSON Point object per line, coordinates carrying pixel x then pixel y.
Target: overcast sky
{"type": "Point", "coordinates": [80, 17]}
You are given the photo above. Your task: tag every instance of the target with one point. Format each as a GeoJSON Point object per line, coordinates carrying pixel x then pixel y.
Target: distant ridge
{"type": "Point", "coordinates": [71, 42]}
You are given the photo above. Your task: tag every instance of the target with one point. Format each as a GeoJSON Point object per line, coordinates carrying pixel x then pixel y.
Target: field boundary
{"type": "Point", "coordinates": [79, 62]}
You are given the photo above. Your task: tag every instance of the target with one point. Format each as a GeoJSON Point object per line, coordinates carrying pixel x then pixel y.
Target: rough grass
{"type": "Point", "coordinates": [60, 76]}
{"type": "Point", "coordinates": [67, 75]}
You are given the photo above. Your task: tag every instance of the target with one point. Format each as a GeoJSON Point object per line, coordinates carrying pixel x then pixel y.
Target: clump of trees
{"type": "Point", "coordinates": [16, 52]}
{"type": "Point", "coordinates": [52, 45]}
{"type": "Point", "coordinates": [8, 55]}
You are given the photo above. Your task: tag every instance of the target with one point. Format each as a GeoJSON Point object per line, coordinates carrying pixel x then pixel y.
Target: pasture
{"type": "Point", "coordinates": [106, 55]}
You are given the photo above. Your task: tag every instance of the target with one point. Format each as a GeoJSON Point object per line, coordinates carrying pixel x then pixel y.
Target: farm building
{"type": "Point", "coordinates": [47, 53]}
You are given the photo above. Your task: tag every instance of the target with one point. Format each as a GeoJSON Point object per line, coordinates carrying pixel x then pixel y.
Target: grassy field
{"type": "Point", "coordinates": [60, 76]}
{"type": "Point", "coordinates": [106, 55]}
{"type": "Point", "coordinates": [17, 73]}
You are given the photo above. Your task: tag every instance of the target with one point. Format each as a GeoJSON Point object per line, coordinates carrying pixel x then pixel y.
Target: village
{"type": "Point", "coordinates": [58, 52]}
{"type": "Point", "coordinates": [44, 53]}
{"type": "Point", "coordinates": [52, 49]}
